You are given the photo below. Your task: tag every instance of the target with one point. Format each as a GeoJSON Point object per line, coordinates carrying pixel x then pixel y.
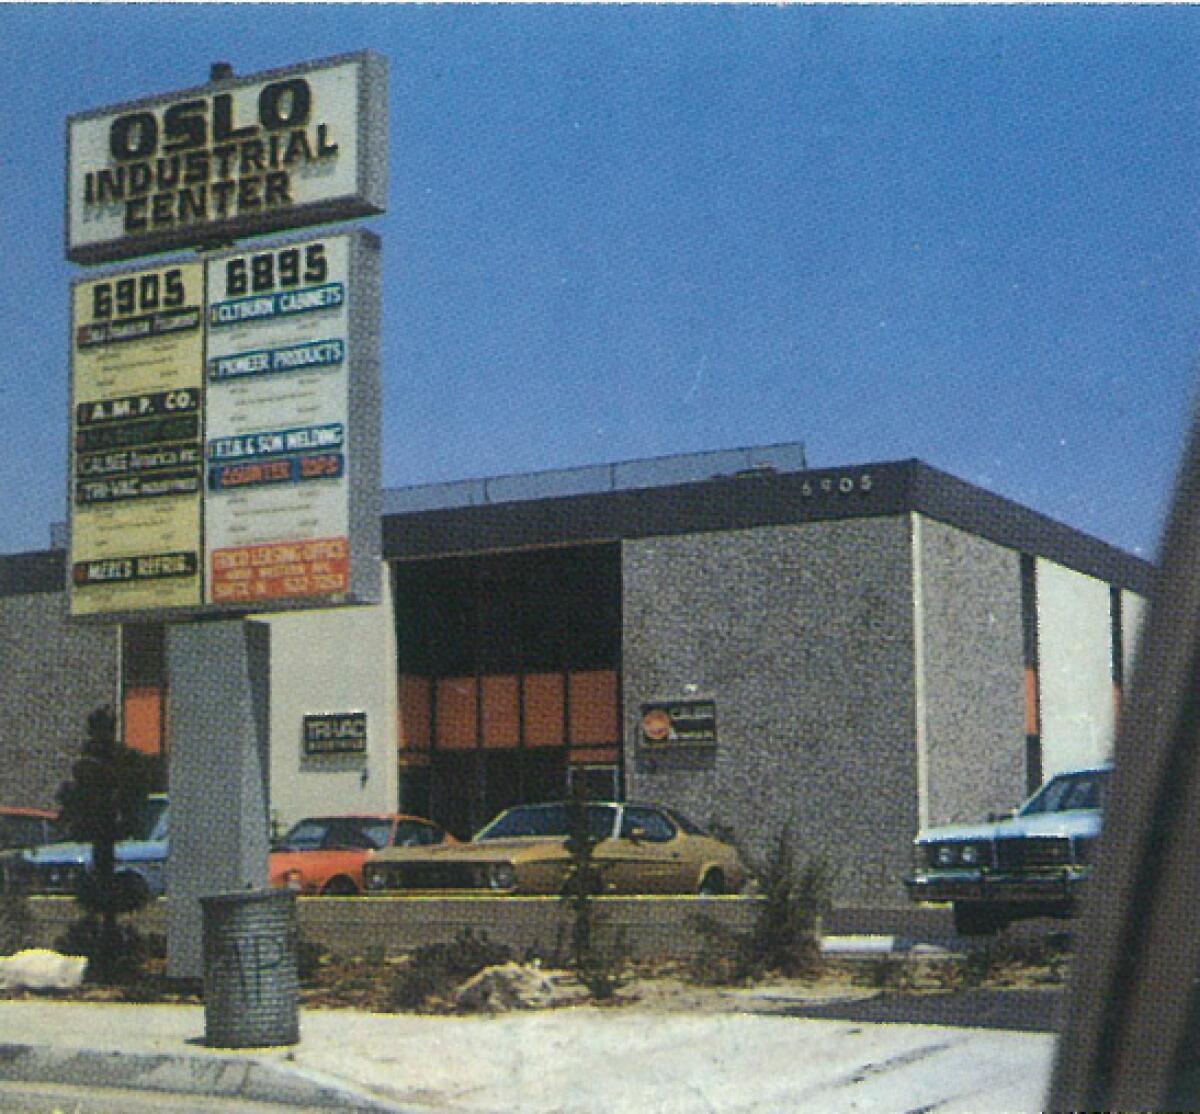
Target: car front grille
{"type": "Point", "coordinates": [40, 879]}
{"type": "Point", "coordinates": [1038, 852]}
{"type": "Point", "coordinates": [436, 876]}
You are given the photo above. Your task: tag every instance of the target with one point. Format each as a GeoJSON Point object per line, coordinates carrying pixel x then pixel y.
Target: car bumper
{"type": "Point", "coordinates": [1060, 887]}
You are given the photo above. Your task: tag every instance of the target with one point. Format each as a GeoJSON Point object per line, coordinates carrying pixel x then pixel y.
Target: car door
{"type": "Point", "coordinates": [645, 857]}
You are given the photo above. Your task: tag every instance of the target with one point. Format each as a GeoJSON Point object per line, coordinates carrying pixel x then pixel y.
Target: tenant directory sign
{"type": "Point", "coordinates": [225, 433]}
{"type": "Point", "coordinates": [137, 355]}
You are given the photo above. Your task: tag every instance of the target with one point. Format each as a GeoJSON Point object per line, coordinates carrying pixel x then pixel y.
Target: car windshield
{"type": "Point", "coordinates": [1067, 792]}
{"type": "Point", "coordinates": [688, 825]}
{"type": "Point", "coordinates": [151, 820]}
{"type": "Point", "coordinates": [316, 833]}
{"type": "Point", "coordinates": [23, 831]}
{"type": "Point", "coordinates": [547, 820]}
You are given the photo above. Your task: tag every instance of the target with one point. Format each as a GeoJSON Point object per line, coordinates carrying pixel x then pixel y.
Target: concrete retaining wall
{"type": "Point", "coordinates": [641, 926]}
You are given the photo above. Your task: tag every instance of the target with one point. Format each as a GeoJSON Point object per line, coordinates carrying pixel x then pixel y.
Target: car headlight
{"type": "Point", "coordinates": [372, 879]}
{"type": "Point", "coordinates": [945, 854]}
{"type": "Point", "coordinates": [501, 876]}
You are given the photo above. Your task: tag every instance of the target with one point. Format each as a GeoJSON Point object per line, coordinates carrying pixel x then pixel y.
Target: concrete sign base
{"type": "Point", "coordinates": [219, 676]}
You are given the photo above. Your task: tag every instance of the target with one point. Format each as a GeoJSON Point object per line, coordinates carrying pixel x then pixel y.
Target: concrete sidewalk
{"type": "Point", "coordinates": [580, 1059]}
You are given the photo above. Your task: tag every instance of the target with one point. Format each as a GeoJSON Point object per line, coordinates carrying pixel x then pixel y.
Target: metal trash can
{"type": "Point", "coordinates": [251, 979]}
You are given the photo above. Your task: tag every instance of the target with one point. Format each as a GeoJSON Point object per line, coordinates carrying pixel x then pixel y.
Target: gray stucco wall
{"type": "Point", "coordinates": [803, 635]}
{"type": "Point", "coordinates": [52, 674]}
{"type": "Point", "coordinates": [970, 675]}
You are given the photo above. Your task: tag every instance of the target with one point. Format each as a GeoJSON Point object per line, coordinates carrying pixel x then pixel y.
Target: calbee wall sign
{"type": "Point", "coordinates": [280, 149]}
{"type": "Point", "coordinates": [679, 723]}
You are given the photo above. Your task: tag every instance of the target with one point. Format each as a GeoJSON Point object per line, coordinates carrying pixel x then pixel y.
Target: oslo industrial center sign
{"type": "Point", "coordinates": [225, 410]}
{"type": "Point", "coordinates": [236, 157]}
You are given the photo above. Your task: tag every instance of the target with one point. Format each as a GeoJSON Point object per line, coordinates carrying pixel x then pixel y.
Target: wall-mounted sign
{"type": "Point", "coordinates": [225, 432]}
{"type": "Point", "coordinates": [137, 360]}
{"type": "Point", "coordinates": [280, 149]}
{"type": "Point", "coordinates": [679, 722]}
{"type": "Point", "coordinates": [335, 733]}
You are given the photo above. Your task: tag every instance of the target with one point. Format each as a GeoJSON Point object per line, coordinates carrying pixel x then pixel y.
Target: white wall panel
{"type": "Point", "coordinates": [338, 660]}
{"type": "Point", "coordinates": [1075, 660]}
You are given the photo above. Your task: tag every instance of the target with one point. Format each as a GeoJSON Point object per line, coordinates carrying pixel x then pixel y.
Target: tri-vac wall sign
{"type": "Point", "coordinates": [275, 150]}
{"type": "Point", "coordinates": [335, 733]}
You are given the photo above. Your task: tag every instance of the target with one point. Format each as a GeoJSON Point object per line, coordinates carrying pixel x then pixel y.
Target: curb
{"type": "Point", "coordinates": [202, 1075]}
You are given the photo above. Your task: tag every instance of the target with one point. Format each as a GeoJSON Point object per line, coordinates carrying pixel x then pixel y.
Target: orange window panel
{"type": "Point", "coordinates": [414, 713]}
{"type": "Point", "coordinates": [143, 719]}
{"type": "Point", "coordinates": [456, 717]}
{"type": "Point", "coordinates": [501, 715]}
{"type": "Point", "coordinates": [593, 707]}
{"type": "Point", "coordinates": [593, 756]}
{"type": "Point", "coordinates": [1032, 727]}
{"type": "Point", "coordinates": [544, 695]}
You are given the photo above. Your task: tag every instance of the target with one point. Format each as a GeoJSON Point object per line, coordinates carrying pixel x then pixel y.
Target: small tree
{"type": "Point", "coordinates": [102, 804]}
{"type": "Point", "coordinates": [594, 968]}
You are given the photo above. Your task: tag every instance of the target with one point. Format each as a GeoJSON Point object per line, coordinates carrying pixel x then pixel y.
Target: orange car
{"type": "Point", "coordinates": [27, 827]}
{"type": "Point", "coordinates": [325, 854]}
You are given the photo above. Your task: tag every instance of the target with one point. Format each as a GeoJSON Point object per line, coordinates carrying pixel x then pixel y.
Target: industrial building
{"type": "Point", "coordinates": [850, 652]}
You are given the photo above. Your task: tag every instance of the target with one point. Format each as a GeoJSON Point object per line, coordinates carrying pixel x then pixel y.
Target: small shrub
{"type": "Point", "coordinates": [15, 924]}
{"type": "Point", "coordinates": [309, 959]}
{"type": "Point", "coordinates": [434, 970]}
{"type": "Point", "coordinates": [886, 972]}
{"type": "Point", "coordinates": [785, 936]}
{"type": "Point", "coordinates": [116, 954]}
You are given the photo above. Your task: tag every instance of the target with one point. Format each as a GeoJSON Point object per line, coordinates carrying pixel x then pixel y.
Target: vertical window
{"type": "Point", "coordinates": [1033, 714]}
{"type": "Point", "coordinates": [143, 687]}
{"type": "Point", "coordinates": [456, 713]}
{"type": "Point", "coordinates": [1117, 648]}
{"type": "Point", "coordinates": [414, 712]}
{"type": "Point", "coordinates": [544, 709]}
{"type": "Point", "coordinates": [501, 711]}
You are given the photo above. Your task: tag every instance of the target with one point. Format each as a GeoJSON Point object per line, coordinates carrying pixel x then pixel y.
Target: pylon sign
{"type": "Point", "coordinates": [224, 426]}
{"type": "Point", "coordinates": [240, 156]}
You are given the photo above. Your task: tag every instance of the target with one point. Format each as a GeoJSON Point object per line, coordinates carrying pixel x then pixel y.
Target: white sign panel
{"type": "Point", "coordinates": [279, 455]}
{"type": "Point", "coordinates": [236, 157]}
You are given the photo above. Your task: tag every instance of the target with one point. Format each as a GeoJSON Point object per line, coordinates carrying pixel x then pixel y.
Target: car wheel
{"type": "Point", "coordinates": [712, 884]}
{"type": "Point", "coordinates": [972, 919]}
{"type": "Point", "coordinates": [341, 886]}
{"type": "Point", "coordinates": [131, 891]}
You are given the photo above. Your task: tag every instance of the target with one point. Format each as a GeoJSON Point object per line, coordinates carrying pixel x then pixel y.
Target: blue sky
{"type": "Point", "coordinates": [968, 235]}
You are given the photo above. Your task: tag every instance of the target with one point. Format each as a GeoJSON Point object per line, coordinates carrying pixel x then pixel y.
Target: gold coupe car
{"type": "Point", "coordinates": [641, 849]}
